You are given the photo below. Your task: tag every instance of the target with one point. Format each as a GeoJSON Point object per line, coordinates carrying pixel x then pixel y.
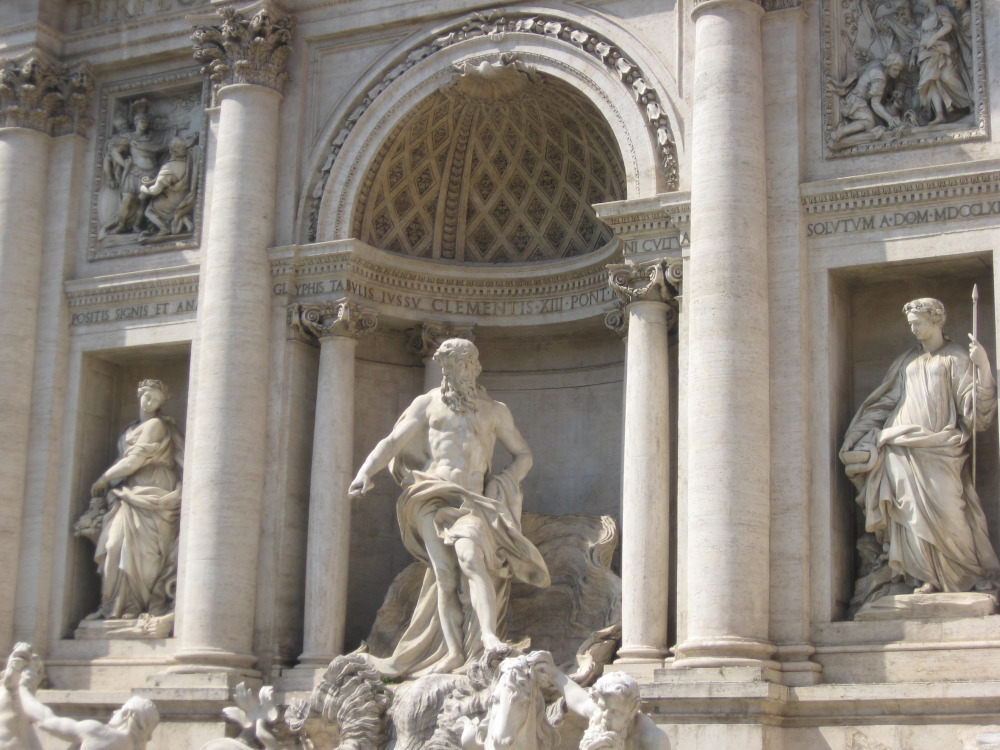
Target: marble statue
{"type": "Point", "coordinates": [943, 87]}
{"type": "Point", "coordinates": [23, 672]}
{"type": "Point", "coordinates": [866, 105]}
{"type": "Point", "coordinates": [130, 727]}
{"type": "Point", "coordinates": [253, 713]}
{"type": "Point", "coordinates": [516, 715]}
{"type": "Point", "coordinates": [171, 195]}
{"type": "Point", "coordinates": [907, 452]}
{"type": "Point", "coordinates": [135, 513]}
{"type": "Point", "coordinates": [455, 515]}
{"type": "Point", "coordinates": [612, 709]}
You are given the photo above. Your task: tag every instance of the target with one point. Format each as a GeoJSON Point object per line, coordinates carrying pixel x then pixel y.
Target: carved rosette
{"type": "Point", "coordinates": [322, 319]}
{"type": "Point", "coordinates": [425, 339]}
{"type": "Point", "coordinates": [652, 281]}
{"type": "Point", "coordinates": [241, 50]}
{"type": "Point", "coordinates": [45, 97]}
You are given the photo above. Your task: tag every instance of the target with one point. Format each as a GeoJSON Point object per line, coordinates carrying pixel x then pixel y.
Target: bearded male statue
{"type": "Point", "coordinates": [456, 516]}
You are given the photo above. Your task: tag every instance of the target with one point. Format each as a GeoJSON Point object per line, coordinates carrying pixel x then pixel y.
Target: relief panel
{"type": "Point", "coordinates": [902, 73]}
{"type": "Point", "coordinates": [149, 173]}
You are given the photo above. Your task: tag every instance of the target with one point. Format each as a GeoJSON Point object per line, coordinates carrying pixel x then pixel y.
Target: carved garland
{"type": "Point", "coordinates": [494, 25]}
{"type": "Point", "coordinates": [652, 281]}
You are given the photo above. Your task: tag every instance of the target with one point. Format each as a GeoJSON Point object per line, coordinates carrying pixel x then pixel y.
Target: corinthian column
{"type": "Point", "coordinates": [226, 457]}
{"type": "Point", "coordinates": [337, 325]}
{"type": "Point", "coordinates": [726, 297]}
{"type": "Point", "coordinates": [37, 101]}
{"type": "Point", "coordinates": [424, 341]}
{"type": "Point", "coordinates": [647, 292]}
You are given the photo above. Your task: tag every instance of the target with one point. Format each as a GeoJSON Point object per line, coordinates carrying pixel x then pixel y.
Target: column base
{"type": "Point", "coordinates": [797, 667]}
{"type": "Point", "coordinates": [214, 660]}
{"type": "Point", "coordinates": [726, 651]}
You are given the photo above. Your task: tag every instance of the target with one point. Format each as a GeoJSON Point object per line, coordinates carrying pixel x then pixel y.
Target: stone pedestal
{"type": "Point", "coordinates": [337, 326]}
{"type": "Point", "coordinates": [726, 296]}
{"type": "Point", "coordinates": [648, 296]}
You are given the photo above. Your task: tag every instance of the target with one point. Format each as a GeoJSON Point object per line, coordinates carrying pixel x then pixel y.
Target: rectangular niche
{"type": "Point", "coordinates": [107, 405]}
{"type": "Point", "coordinates": [868, 332]}
{"type": "Point", "coordinates": [860, 39]}
{"type": "Point", "coordinates": [166, 155]}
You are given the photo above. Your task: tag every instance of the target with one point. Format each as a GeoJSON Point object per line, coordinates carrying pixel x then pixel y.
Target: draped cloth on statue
{"type": "Point", "coordinates": [493, 523]}
{"type": "Point", "coordinates": [916, 488]}
{"type": "Point", "coordinates": [137, 549]}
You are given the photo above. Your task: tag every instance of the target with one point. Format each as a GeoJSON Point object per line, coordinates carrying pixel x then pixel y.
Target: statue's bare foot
{"type": "Point", "coordinates": [492, 643]}
{"type": "Point", "coordinates": [927, 588]}
{"type": "Point", "coordinates": [450, 664]}
{"type": "Point", "coordinates": [98, 615]}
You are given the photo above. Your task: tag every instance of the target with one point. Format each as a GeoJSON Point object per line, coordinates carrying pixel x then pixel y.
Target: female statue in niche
{"type": "Point", "coordinates": [135, 512]}
{"type": "Point", "coordinates": [907, 452]}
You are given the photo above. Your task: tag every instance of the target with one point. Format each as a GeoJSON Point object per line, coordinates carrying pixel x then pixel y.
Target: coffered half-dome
{"type": "Point", "coordinates": [500, 166]}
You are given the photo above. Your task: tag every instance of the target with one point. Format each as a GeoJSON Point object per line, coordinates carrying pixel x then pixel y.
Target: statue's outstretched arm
{"type": "Point", "coordinates": [412, 422]}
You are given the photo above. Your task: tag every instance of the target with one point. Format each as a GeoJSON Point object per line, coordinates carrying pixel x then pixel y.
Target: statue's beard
{"type": "Point", "coordinates": [460, 396]}
{"type": "Point", "coordinates": [597, 738]}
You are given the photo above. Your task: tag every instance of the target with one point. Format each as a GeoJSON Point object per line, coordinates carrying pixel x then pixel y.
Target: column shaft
{"type": "Point", "coordinates": [646, 485]}
{"type": "Point", "coordinates": [24, 161]}
{"type": "Point", "coordinates": [329, 544]}
{"type": "Point", "coordinates": [726, 294]}
{"type": "Point", "coordinates": [225, 477]}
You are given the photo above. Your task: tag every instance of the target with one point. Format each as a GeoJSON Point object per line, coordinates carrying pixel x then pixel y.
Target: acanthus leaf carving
{"type": "Point", "coordinates": [241, 50]}
{"type": "Point", "coordinates": [46, 97]}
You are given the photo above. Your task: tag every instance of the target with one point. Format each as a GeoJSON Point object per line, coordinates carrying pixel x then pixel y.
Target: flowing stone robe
{"type": "Point", "coordinates": [493, 523]}
{"type": "Point", "coordinates": [916, 489]}
{"type": "Point", "coordinates": [137, 550]}
{"type": "Point", "coordinates": [940, 61]}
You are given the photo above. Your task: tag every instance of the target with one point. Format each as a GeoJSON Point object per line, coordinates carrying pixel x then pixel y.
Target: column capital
{"type": "Point", "coordinates": [427, 337]}
{"type": "Point", "coordinates": [45, 96]}
{"type": "Point", "coordinates": [650, 281]}
{"type": "Point", "coordinates": [242, 48]}
{"type": "Point", "coordinates": [321, 320]}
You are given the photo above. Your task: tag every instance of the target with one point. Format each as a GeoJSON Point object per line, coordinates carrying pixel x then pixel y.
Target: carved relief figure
{"type": "Point", "coordinates": [132, 156]}
{"type": "Point", "coordinates": [150, 172]}
{"type": "Point", "coordinates": [942, 86]}
{"type": "Point", "coordinates": [456, 516]}
{"type": "Point", "coordinates": [135, 512]}
{"type": "Point", "coordinates": [907, 452]}
{"type": "Point", "coordinates": [867, 106]}
{"type": "Point", "coordinates": [171, 196]}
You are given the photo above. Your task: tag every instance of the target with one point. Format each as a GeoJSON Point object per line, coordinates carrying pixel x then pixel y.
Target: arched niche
{"type": "Point", "coordinates": [636, 106]}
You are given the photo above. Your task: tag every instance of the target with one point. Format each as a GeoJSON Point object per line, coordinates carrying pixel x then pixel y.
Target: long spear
{"type": "Point", "coordinates": [975, 336]}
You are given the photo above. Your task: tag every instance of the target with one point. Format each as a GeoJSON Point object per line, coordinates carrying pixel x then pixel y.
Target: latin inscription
{"type": "Point", "coordinates": [90, 13]}
{"type": "Point", "coordinates": [903, 218]}
{"type": "Point", "coordinates": [133, 312]}
{"type": "Point", "coordinates": [488, 308]}
{"type": "Point", "coordinates": [655, 244]}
